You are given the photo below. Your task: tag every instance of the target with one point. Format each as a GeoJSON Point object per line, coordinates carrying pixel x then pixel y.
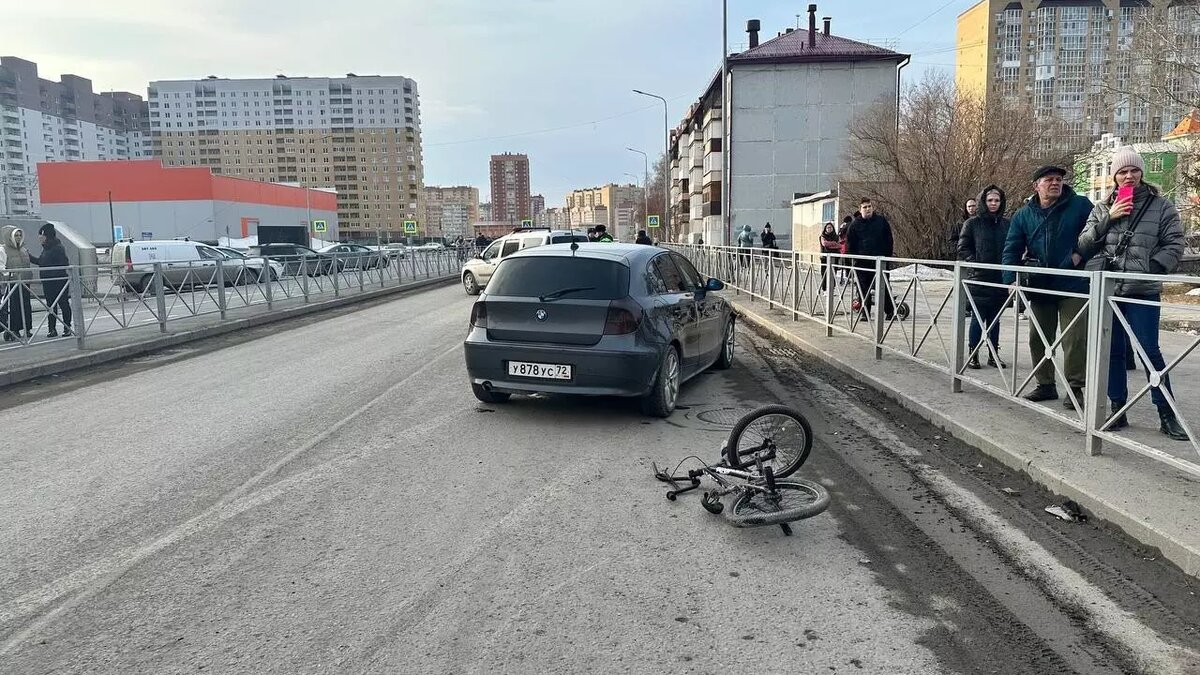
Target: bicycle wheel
{"type": "Point", "coordinates": [793, 500]}
{"type": "Point", "coordinates": [771, 429]}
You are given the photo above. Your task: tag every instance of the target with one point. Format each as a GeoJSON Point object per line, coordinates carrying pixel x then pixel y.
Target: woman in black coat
{"type": "Point", "coordinates": [982, 241]}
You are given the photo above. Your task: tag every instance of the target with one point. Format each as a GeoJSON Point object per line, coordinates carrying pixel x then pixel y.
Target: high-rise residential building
{"type": "Point", "coordinates": [537, 204]}
{"type": "Point", "coordinates": [620, 202]}
{"type": "Point", "coordinates": [46, 121]}
{"type": "Point", "coordinates": [358, 134]}
{"type": "Point", "coordinates": [1066, 58]}
{"type": "Point", "coordinates": [485, 212]}
{"type": "Point", "coordinates": [450, 211]}
{"type": "Point", "coordinates": [556, 217]}
{"type": "Point", "coordinates": [510, 188]}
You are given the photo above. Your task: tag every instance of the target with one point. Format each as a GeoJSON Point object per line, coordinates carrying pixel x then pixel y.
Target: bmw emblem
{"type": "Point", "coordinates": [540, 315]}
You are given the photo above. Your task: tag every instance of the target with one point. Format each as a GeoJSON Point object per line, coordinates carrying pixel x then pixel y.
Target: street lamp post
{"type": "Point", "coordinates": [645, 181]}
{"type": "Point", "coordinates": [666, 214]}
{"type": "Point", "coordinates": [645, 198]}
{"type": "Point", "coordinates": [726, 213]}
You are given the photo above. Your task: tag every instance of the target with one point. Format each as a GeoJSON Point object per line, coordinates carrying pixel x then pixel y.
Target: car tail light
{"type": "Point", "coordinates": [622, 319]}
{"type": "Point", "coordinates": [479, 315]}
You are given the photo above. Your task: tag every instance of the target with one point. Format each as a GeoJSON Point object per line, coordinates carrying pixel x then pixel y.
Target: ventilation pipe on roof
{"type": "Point", "coordinates": [812, 25]}
{"type": "Point", "coordinates": [828, 20]}
{"type": "Point", "coordinates": [752, 27]}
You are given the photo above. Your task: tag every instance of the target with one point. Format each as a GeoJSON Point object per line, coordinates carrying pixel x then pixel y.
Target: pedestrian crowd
{"type": "Point", "coordinates": [1133, 229]}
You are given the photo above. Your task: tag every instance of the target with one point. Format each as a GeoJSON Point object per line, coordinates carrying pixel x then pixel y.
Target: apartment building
{"type": "Point", "coordinates": [1065, 58]}
{"type": "Point", "coordinates": [358, 134]}
{"type": "Point", "coordinates": [510, 188]}
{"type": "Point", "coordinates": [450, 211]}
{"type": "Point", "coordinates": [537, 204]}
{"type": "Point", "coordinates": [619, 202]}
{"type": "Point", "coordinates": [555, 217]}
{"type": "Point", "coordinates": [46, 121]}
{"type": "Point", "coordinates": [793, 99]}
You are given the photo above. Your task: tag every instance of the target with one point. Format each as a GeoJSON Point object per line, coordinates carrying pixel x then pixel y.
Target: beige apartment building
{"type": "Point", "coordinates": [359, 135]}
{"type": "Point", "coordinates": [619, 203]}
{"type": "Point", "coordinates": [1065, 58]}
{"type": "Point", "coordinates": [451, 211]}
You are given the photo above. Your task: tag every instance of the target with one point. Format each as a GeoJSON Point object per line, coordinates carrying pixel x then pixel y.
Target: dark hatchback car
{"type": "Point", "coordinates": [296, 259]}
{"type": "Point", "coordinates": [603, 320]}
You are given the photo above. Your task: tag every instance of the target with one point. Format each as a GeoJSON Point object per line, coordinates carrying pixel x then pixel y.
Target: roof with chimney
{"type": "Point", "coordinates": [795, 47]}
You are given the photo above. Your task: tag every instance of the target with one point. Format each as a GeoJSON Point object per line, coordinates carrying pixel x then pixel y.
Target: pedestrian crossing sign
{"type": "Point", "coordinates": [528, 222]}
{"type": "Point", "coordinates": [410, 227]}
{"type": "Point", "coordinates": [652, 221]}
{"type": "Point", "coordinates": [320, 226]}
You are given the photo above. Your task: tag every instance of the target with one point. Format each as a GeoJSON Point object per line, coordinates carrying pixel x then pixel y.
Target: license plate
{"type": "Point", "coordinates": [543, 371]}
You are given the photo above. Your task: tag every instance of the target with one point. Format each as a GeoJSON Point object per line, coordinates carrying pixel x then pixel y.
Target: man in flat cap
{"type": "Point", "coordinates": [1045, 233]}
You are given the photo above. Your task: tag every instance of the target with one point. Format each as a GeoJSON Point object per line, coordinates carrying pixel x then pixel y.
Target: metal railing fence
{"type": "Point", "coordinates": [133, 295]}
{"type": "Point", "coordinates": [933, 304]}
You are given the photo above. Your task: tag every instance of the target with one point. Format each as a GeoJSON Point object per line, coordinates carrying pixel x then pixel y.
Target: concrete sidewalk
{"type": "Point", "coordinates": [1151, 502]}
{"type": "Point", "coordinates": [50, 357]}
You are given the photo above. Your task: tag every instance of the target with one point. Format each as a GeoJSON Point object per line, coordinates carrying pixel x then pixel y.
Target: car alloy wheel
{"type": "Point", "coordinates": [730, 340]}
{"type": "Point", "coordinates": [670, 380]}
{"type": "Point", "coordinates": [469, 284]}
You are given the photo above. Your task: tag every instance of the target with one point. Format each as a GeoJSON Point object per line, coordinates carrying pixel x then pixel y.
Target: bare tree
{"type": "Point", "coordinates": [945, 147]}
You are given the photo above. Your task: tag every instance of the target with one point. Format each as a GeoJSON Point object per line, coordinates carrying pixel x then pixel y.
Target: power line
{"type": "Point", "coordinates": [927, 17]}
{"type": "Point", "coordinates": [549, 129]}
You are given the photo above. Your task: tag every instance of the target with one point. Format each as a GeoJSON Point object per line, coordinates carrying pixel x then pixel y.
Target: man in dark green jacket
{"type": "Point", "coordinates": [1045, 233]}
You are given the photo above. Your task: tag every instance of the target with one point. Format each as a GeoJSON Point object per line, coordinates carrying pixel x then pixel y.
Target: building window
{"type": "Point", "coordinates": [1155, 165]}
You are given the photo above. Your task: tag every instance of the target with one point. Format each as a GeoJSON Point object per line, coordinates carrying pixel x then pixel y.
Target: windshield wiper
{"type": "Point", "coordinates": [565, 291]}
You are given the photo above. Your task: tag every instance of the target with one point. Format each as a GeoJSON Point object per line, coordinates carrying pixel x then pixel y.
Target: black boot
{"type": "Point", "coordinates": [67, 332]}
{"type": "Point", "coordinates": [1122, 421]}
{"type": "Point", "coordinates": [51, 333]}
{"type": "Point", "coordinates": [1068, 403]}
{"type": "Point", "coordinates": [996, 362]}
{"type": "Point", "coordinates": [1043, 392]}
{"type": "Point", "coordinates": [973, 363]}
{"type": "Point", "coordinates": [1169, 424]}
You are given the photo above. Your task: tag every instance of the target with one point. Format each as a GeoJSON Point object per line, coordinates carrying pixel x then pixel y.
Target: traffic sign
{"type": "Point", "coordinates": [410, 227]}
{"type": "Point", "coordinates": [652, 221]}
{"type": "Point", "coordinates": [528, 222]}
{"type": "Point", "coordinates": [320, 226]}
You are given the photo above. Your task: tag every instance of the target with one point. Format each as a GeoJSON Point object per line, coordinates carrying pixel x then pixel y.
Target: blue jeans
{"type": "Point", "coordinates": [989, 308]}
{"type": "Point", "coordinates": [1143, 319]}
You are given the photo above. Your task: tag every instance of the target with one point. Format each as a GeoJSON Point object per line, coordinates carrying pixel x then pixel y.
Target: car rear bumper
{"type": "Point", "coordinates": [595, 372]}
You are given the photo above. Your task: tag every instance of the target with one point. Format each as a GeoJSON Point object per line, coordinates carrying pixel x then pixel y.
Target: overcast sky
{"type": "Point", "coordinates": [550, 78]}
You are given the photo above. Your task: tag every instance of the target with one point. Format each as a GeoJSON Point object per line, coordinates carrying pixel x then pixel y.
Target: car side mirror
{"type": "Point", "coordinates": [714, 285]}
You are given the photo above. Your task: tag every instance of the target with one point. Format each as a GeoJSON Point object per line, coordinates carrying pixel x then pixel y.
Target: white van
{"type": "Point", "coordinates": [184, 263]}
{"type": "Point", "coordinates": [477, 271]}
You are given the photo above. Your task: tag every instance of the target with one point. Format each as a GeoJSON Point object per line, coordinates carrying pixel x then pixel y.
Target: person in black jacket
{"type": "Point", "coordinates": [642, 238]}
{"type": "Point", "coordinates": [970, 210]}
{"type": "Point", "coordinates": [982, 241]}
{"type": "Point", "coordinates": [54, 281]}
{"type": "Point", "coordinates": [870, 234]}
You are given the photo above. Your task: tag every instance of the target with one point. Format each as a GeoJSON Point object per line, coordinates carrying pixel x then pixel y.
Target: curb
{"type": "Point", "coordinates": [1187, 558]}
{"type": "Point", "coordinates": [86, 359]}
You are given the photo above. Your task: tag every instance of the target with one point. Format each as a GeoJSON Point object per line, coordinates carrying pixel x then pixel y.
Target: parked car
{"type": "Point", "coordinates": [297, 259]}
{"type": "Point", "coordinates": [251, 268]}
{"type": "Point", "coordinates": [478, 270]}
{"type": "Point", "coordinates": [604, 320]}
{"type": "Point", "coordinates": [184, 263]}
{"type": "Point", "coordinates": [356, 257]}
{"type": "Point", "coordinates": [399, 251]}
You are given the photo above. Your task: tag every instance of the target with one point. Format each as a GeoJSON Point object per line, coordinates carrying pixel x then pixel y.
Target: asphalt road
{"type": "Point", "coordinates": [329, 497]}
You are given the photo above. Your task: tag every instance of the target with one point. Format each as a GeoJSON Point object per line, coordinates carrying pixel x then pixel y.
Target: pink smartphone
{"type": "Point", "coordinates": [1125, 192]}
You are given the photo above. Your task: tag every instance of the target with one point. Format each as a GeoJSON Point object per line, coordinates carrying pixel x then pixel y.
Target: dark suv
{"type": "Point", "coordinates": [297, 259]}
{"type": "Point", "coordinates": [602, 320]}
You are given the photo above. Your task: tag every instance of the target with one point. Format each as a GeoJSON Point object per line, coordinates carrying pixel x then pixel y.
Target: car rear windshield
{"type": "Point", "coordinates": [568, 238]}
{"type": "Point", "coordinates": [543, 275]}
